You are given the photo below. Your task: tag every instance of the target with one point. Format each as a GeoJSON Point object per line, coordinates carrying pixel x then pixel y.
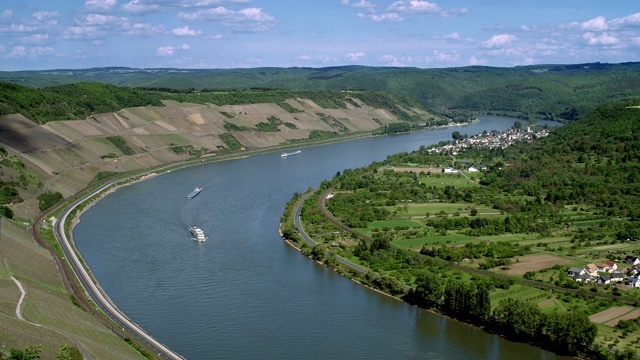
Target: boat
{"type": "Point", "coordinates": [197, 233]}
{"type": "Point", "coordinates": [285, 154]}
{"type": "Point", "coordinates": [195, 192]}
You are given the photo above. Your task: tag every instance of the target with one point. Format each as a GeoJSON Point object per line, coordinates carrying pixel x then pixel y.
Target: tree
{"type": "Point", "coordinates": [29, 353]}
{"type": "Point", "coordinates": [6, 212]}
{"type": "Point", "coordinates": [380, 244]}
{"type": "Point", "coordinates": [429, 290]}
{"type": "Point", "coordinates": [517, 319]}
{"type": "Point", "coordinates": [570, 333]}
{"type": "Point", "coordinates": [68, 352]}
{"type": "Point", "coordinates": [48, 199]}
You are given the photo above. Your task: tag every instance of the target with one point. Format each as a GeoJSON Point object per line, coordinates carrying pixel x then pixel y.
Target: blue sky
{"type": "Point", "coordinates": [72, 34]}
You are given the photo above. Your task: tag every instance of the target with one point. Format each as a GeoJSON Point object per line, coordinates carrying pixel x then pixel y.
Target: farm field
{"type": "Point", "coordinates": [524, 264]}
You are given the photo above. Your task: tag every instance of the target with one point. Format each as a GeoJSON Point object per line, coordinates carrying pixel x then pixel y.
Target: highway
{"type": "Point", "coordinates": [94, 293]}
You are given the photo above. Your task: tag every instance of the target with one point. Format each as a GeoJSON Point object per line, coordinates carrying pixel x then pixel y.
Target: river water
{"type": "Point", "coordinates": [245, 294]}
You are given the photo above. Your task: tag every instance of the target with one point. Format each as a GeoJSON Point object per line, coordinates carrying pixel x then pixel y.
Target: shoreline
{"type": "Point", "coordinates": [99, 192]}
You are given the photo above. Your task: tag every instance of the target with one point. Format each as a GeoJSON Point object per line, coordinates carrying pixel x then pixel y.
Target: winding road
{"type": "Point", "coordinates": [95, 294]}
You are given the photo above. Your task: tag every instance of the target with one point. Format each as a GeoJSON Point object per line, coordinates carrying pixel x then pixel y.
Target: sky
{"type": "Point", "coordinates": [222, 34]}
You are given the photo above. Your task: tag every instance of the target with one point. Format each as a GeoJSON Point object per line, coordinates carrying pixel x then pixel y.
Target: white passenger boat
{"type": "Point", "coordinates": [285, 154]}
{"type": "Point", "coordinates": [197, 233]}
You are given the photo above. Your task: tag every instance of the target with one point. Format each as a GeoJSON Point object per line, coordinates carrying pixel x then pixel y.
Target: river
{"type": "Point", "coordinates": [245, 294]}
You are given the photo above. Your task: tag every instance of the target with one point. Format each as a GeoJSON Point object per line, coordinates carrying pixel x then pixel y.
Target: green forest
{"type": "Point", "coordinates": [459, 243]}
{"type": "Point", "coordinates": [80, 100]}
{"type": "Point", "coordinates": [561, 92]}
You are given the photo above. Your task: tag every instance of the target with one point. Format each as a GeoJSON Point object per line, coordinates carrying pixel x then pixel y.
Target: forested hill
{"type": "Point", "coordinates": [77, 101]}
{"type": "Point", "coordinates": [69, 102]}
{"type": "Point", "coordinates": [594, 161]}
{"type": "Point", "coordinates": [543, 91]}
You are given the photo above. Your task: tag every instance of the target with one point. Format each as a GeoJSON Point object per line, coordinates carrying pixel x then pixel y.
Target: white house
{"type": "Point", "coordinates": [604, 279]}
{"type": "Point", "coordinates": [633, 260]}
{"type": "Point", "coordinates": [617, 277]}
{"type": "Point", "coordinates": [591, 269]}
{"type": "Point", "coordinates": [634, 282]}
{"type": "Point", "coordinates": [575, 271]}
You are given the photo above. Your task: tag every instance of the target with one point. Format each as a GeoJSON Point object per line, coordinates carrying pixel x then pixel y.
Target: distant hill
{"type": "Point", "coordinates": [544, 91]}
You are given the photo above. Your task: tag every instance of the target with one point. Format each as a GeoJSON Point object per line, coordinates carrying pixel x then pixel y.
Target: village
{"type": "Point", "coordinates": [608, 272]}
{"type": "Point", "coordinates": [491, 140]}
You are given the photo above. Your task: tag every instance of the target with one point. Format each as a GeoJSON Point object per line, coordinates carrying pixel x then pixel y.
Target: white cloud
{"type": "Point", "coordinates": [83, 33]}
{"type": "Point", "coordinates": [185, 31]}
{"type": "Point", "coordinates": [389, 60]}
{"type": "Point", "coordinates": [455, 12]}
{"type": "Point", "coordinates": [363, 4]}
{"type": "Point", "coordinates": [20, 28]}
{"type": "Point", "coordinates": [632, 20]}
{"type": "Point", "coordinates": [414, 7]}
{"type": "Point", "coordinates": [171, 50]}
{"type": "Point", "coordinates": [474, 60]}
{"type": "Point", "coordinates": [94, 19]}
{"type": "Point", "coordinates": [206, 3]}
{"type": "Point", "coordinates": [452, 36]}
{"type": "Point", "coordinates": [165, 51]}
{"type": "Point", "coordinates": [34, 39]}
{"type": "Point", "coordinates": [355, 56]}
{"type": "Point", "coordinates": [245, 20]}
{"type": "Point", "coordinates": [395, 11]}
{"type": "Point", "coordinates": [6, 15]}
{"type": "Point", "coordinates": [499, 40]}
{"type": "Point", "coordinates": [318, 59]}
{"type": "Point", "coordinates": [45, 15]}
{"type": "Point", "coordinates": [455, 38]}
{"type": "Point", "coordinates": [22, 52]}
{"type": "Point", "coordinates": [144, 29]}
{"type": "Point", "coordinates": [383, 18]}
{"type": "Point", "coordinates": [344, 2]}
{"type": "Point", "coordinates": [100, 5]}
{"type": "Point", "coordinates": [139, 8]}
{"type": "Point", "coordinates": [597, 24]}
{"type": "Point", "coordinates": [602, 39]}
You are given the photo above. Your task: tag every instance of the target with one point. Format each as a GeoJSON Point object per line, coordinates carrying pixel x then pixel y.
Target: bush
{"type": "Point", "coordinates": [48, 199]}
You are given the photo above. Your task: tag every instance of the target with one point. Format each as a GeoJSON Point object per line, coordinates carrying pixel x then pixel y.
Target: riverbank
{"type": "Point", "coordinates": [224, 280]}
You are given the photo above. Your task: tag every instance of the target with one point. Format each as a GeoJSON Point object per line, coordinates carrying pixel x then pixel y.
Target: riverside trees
{"type": "Point", "coordinates": [546, 186]}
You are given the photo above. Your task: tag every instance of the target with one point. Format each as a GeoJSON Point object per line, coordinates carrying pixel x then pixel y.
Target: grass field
{"type": "Point", "coordinates": [47, 303]}
{"type": "Point", "coordinates": [443, 180]}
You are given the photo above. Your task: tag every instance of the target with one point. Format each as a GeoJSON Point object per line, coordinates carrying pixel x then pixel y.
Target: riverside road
{"type": "Point", "coordinates": [98, 298]}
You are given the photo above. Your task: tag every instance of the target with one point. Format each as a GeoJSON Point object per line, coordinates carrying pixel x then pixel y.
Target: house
{"type": "Point", "coordinates": [617, 277]}
{"type": "Point", "coordinates": [633, 260]}
{"type": "Point", "coordinates": [575, 271]}
{"type": "Point", "coordinates": [603, 279]}
{"type": "Point", "coordinates": [450, 170]}
{"type": "Point", "coordinates": [582, 278]}
{"type": "Point", "coordinates": [634, 282]}
{"type": "Point", "coordinates": [472, 169]}
{"type": "Point", "coordinates": [611, 266]}
{"type": "Point", "coordinates": [591, 269]}
{"type": "Point", "coordinates": [601, 266]}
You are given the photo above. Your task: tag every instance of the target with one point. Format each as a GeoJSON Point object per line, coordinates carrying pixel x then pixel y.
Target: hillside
{"type": "Point", "coordinates": [539, 247]}
{"type": "Point", "coordinates": [44, 152]}
{"type": "Point", "coordinates": [544, 91]}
